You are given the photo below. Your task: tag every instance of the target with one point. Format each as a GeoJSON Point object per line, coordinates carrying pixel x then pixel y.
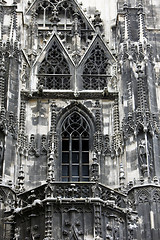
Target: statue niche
{"type": "Point", "coordinates": [145, 157]}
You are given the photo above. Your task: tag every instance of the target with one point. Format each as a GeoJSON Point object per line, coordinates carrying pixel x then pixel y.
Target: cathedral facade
{"type": "Point", "coordinates": [79, 120]}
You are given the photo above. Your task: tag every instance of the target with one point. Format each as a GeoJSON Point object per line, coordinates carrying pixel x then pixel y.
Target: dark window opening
{"type": "Point", "coordinates": [96, 70]}
{"type": "Point", "coordinates": [75, 148]}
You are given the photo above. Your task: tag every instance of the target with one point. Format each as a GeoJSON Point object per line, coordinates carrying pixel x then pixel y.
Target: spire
{"type": "Point", "coordinates": [141, 24]}
{"type": "Point", "coordinates": [76, 38]}
{"type": "Point", "coordinates": [117, 138]}
{"type": "Point", "coordinates": [1, 21]}
{"type": "Point", "coordinates": [126, 30]}
{"type": "Point", "coordinates": [13, 27]}
{"type": "Point", "coordinates": [2, 80]}
{"type": "Point", "coordinates": [142, 100]}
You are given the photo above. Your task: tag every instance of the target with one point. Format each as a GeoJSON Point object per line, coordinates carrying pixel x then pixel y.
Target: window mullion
{"type": "Point", "coordinates": [70, 158]}
{"type": "Point", "coordinates": [80, 157]}
{"type": "Point", "coordinates": [44, 17]}
{"type": "Point", "coordinates": [75, 149]}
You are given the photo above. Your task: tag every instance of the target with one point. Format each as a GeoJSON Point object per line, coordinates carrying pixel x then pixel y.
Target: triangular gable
{"type": "Point", "coordinates": [56, 4]}
{"type": "Point", "coordinates": [95, 67]}
{"type": "Point", "coordinates": [98, 40]}
{"type": "Point", "coordinates": [54, 38]}
{"type": "Point", "coordinates": [54, 68]}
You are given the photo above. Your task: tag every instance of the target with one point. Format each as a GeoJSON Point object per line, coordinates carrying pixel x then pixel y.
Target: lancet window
{"type": "Point", "coordinates": [95, 73]}
{"type": "Point", "coordinates": [75, 141]}
{"type": "Point", "coordinates": [44, 12]}
{"type": "Point", "coordinates": [54, 72]}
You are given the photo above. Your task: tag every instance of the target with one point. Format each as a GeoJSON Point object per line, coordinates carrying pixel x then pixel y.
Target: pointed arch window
{"type": "Point", "coordinates": [44, 11]}
{"type": "Point", "coordinates": [95, 72]}
{"type": "Point", "coordinates": [54, 71]}
{"type": "Point", "coordinates": [75, 139]}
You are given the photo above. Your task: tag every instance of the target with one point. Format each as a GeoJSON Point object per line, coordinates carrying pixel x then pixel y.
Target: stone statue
{"type": "Point", "coordinates": [143, 156]}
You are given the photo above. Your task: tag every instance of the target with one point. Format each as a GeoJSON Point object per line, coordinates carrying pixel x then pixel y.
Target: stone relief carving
{"type": "Point", "coordinates": [73, 224]}
{"type": "Point", "coordinates": [32, 149]}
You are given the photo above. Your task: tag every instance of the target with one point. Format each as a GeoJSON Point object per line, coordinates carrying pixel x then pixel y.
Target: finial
{"type": "Point", "coordinates": [125, 5]}
{"type": "Point", "coordinates": [50, 176]}
{"type": "Point", "coordinates": [121, 174]}
{"type": "Point", "coordinates": [21, 180]}
{"type": "Point", "coordinates": [95, 168]}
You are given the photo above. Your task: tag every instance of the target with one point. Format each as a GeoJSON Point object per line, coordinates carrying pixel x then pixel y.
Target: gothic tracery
{"type": "Point", "coordinates": [79, 120]}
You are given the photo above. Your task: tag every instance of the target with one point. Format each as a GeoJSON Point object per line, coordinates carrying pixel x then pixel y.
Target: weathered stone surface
{"type": "Point", "coordinates": [79, 119]}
